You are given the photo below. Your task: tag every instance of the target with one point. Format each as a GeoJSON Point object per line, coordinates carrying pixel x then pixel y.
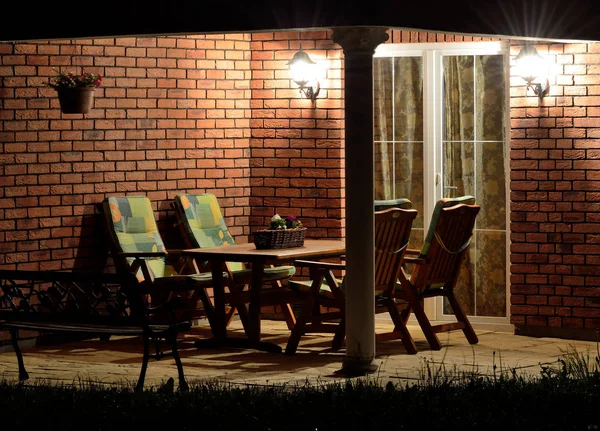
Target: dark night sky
{"type": "Point", "coordinates": [558, 19]}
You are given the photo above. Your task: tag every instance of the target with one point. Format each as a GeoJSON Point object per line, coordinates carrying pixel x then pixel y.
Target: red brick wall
{"type": "Point", "coordinates": [172, 116]}
{"type": "Point", "coordinates": [296, 147]}
{"type": "Point", "coordinates": [555, 197]}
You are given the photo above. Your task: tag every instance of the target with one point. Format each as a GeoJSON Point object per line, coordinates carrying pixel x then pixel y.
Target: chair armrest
{"type": "Point", "coordinates": [322, 265]}
{"type": "Point", "coordinates": [139, 254]}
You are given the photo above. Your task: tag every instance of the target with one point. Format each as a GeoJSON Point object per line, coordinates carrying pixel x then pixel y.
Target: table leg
{"type": "Point", "coordinates": [219, 325]}
{"type": "Point", "coordinates": [254, 306]}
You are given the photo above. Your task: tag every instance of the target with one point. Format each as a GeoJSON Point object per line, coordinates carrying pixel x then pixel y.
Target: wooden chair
{"type": "Point", "coordinates": [384, 204]}
{"type": "Point", "coordinates": [202, 225]}
{"type": "Point", "coordinates": [437, 267]}
{"type": "Point", "coordinates": [137, 247]}
{"type": "Point", "coordinates": [392, 232]}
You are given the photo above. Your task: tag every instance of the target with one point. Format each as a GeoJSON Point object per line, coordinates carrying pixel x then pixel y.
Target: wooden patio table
{"type": "Point", "coordinates": [217, 256]}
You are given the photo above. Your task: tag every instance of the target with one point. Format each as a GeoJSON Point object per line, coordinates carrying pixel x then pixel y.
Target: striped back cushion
{"type": "Point", "coordinates": [132, 228]}
{"type": "Point", "coordinates": [203, 222]}
{"type": "Point", "coordinates": [403, 203]}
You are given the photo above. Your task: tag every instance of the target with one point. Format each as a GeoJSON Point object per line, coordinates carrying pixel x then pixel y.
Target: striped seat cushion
{"type": "Point", "coordinates": [304, 286]}
{"type": "Point", "coordinates": [270, 274]}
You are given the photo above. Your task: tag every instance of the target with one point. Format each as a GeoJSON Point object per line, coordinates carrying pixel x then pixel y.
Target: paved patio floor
{"type": "Point", "coordinates": [118, 361]}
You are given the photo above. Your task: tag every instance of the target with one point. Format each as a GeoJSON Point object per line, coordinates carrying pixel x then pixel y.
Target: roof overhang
{"type": "Point", "coordinates": [547, 19]}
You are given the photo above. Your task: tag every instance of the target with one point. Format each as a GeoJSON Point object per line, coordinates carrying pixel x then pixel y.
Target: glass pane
{"type": "Point", "coordinates": [409, 176]}
{"type": "Point", "coordinates": [417, 237]}
{"type": "Point", "coordinates": [382, 89]}
{"type": "Point", "coordinates": [408, 98]}
{"type": "Point", "coordinates": [459, 164]}
{"type": "Point", "coordinates": [490, 191]}
{"type": "Point", "coordinates": [459, 100]}
{"type": "Point", "coordinates": [474, 106]}
{"type": "Point", "coordinates": [490, 101]}
{"type": "Point", "coordinates": [481, 286]}
{"type": "Point", "coordinates": [465, 285]}
{"type": "Point", "coordinates": [491, 273]}
{"type": "Point", "coordinates": [384, 167]}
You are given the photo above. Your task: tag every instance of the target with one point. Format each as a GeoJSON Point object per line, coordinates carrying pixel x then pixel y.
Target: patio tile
{"type": "Point", "coordinates": [118, 360]}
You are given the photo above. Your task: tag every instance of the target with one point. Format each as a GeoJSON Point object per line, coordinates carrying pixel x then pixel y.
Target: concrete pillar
{"type": "Point", "coordinates": [359, 45]}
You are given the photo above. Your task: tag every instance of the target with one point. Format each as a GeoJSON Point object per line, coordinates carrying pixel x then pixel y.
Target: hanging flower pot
{"type": "Point", "coordinates": [76, 100]}
{"type": "Point", "coordinates": [75, 92]}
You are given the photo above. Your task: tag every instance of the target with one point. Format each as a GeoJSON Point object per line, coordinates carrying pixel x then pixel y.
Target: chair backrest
{"type": "Point", "coordinates": [132, 228]}
{"type": "Point", "coordinates": [381, 205]}
{"type": "Point", "coordinates": [392, 232]}
{"type": "Point", "coordinates": [202, 221]}
{"type": "Point", "coordinates": [451, 240]}
{"type": "Point", "coordinates": [441, 204]}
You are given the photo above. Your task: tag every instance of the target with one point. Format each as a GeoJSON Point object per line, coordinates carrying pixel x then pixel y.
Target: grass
{"type": "Point", "coordinates": [562, 397]}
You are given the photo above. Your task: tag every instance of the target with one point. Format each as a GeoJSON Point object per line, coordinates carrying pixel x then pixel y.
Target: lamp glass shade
{"type": "Point", "coordinates": [302, 68]}
{"type": "Point", "coordinates": [531, 65]}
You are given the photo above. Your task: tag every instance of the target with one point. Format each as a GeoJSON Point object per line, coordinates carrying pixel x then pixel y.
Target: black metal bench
{"type": "Point", "coordinates": [94, 304]}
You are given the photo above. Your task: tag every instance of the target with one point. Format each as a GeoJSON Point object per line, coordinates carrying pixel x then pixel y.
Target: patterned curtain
{"type": "Point", "coordinates": [408, 134]}
{"type": "Point", "coordinates": [383, 127]}
{"type": "Point", "coordinates": [398, 106]}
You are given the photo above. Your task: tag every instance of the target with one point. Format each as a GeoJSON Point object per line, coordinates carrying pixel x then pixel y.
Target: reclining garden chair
{"type": "Point", "coordinates": [437, 266]}
{"type": "Point", "coordinates": [392, 233]}
{"type": "Point", "coordinates": [202, 225]}
{"type": "Point", "coordinates": [137, 247]}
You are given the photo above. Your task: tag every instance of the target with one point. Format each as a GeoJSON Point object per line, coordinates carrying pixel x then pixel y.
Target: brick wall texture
{"type": "Point", "coordinates": [219, 114]}
{"type": "Point", "coordinates": [555, 199]}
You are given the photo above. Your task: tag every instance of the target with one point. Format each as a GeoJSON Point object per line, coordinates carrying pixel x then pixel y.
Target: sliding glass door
{"type": "Point", "coordinates": [441, 121]}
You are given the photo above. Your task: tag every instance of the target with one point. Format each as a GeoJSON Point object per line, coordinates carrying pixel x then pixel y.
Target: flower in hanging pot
{"type": "Point", "coordinates": [70, 80]}
{"type": "Point", "coordinates": [75, 92]}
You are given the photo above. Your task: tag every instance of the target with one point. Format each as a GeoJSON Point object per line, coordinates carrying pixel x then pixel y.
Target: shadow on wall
{"type": "Point", "coordinates": [93, 248]}
{"type": "Point", "coordinates": [91, 252]}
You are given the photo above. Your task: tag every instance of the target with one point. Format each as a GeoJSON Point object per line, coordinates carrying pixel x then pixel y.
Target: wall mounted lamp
{"type": "Point", "coordinates": [531, 66]}
{"type": "Point", "coordinates": [303, 72]}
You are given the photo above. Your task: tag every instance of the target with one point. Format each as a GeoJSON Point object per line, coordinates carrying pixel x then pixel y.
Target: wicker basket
{"type": "Point", "coordinates": [280, 238]}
